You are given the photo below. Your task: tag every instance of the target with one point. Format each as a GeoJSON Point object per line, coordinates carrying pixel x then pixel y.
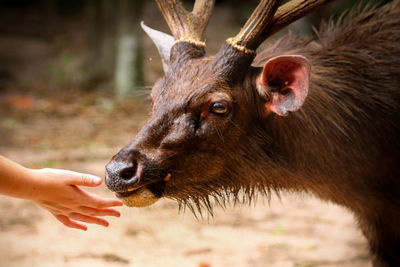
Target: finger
{"type": "Point", "coordinates": [101, 203]}
{"type": "Point", "coordinates": [99, 212]}
{"type": "Point", "coordinates": [83, 179]}
{"type": "Point", "coordinates": [75, 178]}
{"type": "Point", "coordinates": [89, 219]}
{"type": "Point", "coordinates": [94, 201]}
{"type": "Point", "coordinates": [70, 223]}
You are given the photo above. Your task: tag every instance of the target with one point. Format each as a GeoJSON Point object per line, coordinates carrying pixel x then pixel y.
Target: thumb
{"type": "Point", "coordinates": [85, 180]}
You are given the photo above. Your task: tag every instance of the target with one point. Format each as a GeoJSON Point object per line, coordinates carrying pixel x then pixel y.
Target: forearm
{"type": "Point", "coordinates": [58, 191]}
{"type": "Point", "coordinates": [16, 180]}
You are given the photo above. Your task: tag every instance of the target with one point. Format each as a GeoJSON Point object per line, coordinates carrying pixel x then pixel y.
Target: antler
{"type": "Point", "coordinates": [250, 33]}
{"type": "Point", "coordinates": [262, 23]}
{"type": "Point", "coordinates": [184, 25]}
{"type": "Point", "coordinates": [291, 12]}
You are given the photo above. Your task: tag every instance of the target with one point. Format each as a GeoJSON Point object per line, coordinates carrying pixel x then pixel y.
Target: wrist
{"type": "Point", "coordinates": [27, 184]}
{"type": "Point", "coordinates": [35, 184]}
{"type": "Point", "coordinates": [17, 180]}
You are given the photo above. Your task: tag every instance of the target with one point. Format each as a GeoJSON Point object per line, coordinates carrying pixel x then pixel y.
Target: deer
{"type": "Point", "coordinates": [318, 115]}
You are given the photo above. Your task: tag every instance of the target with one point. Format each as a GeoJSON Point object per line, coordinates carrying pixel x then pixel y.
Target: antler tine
{"type": "Point", "coordinates": [184, 25]}
{"type": "Point", "coordinates": [202, 10]}
{"type": "Point", "coordinates": [291, 12]}
{"type": "Point", "coordinates": [263, 23]}
{"type": "Point", "coordinates": [248, 37]}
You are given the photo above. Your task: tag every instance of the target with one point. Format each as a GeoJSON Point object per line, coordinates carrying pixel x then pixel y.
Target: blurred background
{"type": "Point", "coordinates": [75, 79]}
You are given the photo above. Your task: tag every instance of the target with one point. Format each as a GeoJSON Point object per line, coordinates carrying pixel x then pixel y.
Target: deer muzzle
{"type": "Point", "coordinates": [133, 184]}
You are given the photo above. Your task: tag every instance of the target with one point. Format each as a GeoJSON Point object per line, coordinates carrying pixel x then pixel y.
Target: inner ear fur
{"type": "Point", "coordinates": [283, 83]}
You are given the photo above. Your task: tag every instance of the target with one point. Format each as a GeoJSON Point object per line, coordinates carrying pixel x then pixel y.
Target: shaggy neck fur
{"type": "Point", "coordinates": [350, 105]}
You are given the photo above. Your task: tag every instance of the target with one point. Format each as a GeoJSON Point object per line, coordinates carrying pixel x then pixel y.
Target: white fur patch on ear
{"type": "Point", "coordinates": [282, 105]}
{"type": "Point", "coordinates": [286, 80]}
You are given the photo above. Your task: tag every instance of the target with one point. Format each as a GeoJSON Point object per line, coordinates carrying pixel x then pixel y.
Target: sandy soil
{"type": "Point", "coordinates": [83, 133]}
{"type": "Point", "coordinates": [292, 231]}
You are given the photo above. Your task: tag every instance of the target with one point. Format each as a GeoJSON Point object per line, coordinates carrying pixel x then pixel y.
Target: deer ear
{"type": "Point", "coordinates": [286, 80]}
{"type": "Point", "coordinates": [163, 42]}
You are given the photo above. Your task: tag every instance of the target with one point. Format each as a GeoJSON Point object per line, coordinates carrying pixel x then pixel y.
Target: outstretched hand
{"type": "Point", "coordinates": [58, 191]}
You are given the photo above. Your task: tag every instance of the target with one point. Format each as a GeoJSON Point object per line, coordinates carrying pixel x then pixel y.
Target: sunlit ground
{"type": "Point", "coordinates": [82, 135]}
{"type": "Point", "coordinates": [44, 126]}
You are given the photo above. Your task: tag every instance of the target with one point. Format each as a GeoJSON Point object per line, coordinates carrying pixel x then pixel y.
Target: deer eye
{"type": "Point", "coordinates": [219, 108]}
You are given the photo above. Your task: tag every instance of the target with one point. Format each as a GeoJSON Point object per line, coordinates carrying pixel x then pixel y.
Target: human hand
{"type": "Point", "coordinates": [58, 192]}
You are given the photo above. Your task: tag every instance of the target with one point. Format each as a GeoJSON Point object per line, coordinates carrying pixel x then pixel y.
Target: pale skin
{"type": "Point", "coordinates": [59, 192]}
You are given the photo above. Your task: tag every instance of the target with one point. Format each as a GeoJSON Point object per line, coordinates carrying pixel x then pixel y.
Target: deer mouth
{"type": "Point", "coordinates": [138, 197]}
{"type": "Point", "coordinates": [143, 195]}
{"type": "Point", "coordinates": [130, 191]}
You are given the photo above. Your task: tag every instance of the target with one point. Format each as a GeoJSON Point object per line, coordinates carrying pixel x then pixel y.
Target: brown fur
{"type": "Point", "coordinates": [343, 145]}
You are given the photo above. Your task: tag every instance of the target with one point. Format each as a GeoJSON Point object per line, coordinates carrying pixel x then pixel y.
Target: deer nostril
{"type": "Point", "coordinates": [128, 172]}
{"type": "Point", "coordinates": [121, 175]}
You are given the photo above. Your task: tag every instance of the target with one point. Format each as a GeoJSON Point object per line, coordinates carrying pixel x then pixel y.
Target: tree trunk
{"type": "Point", "coordinates": [101, 40]}
{"type": "Point", "coordinates": [129, 58]}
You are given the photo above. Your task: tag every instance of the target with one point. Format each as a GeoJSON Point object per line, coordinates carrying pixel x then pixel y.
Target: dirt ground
{"type": "Point", "coordinates": [81, 131]}
{"type": "Point", "coordinates": [82, 135]}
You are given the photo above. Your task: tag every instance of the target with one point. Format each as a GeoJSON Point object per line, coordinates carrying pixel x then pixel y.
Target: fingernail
{"type": "Point", "coordinates": [96, 180]}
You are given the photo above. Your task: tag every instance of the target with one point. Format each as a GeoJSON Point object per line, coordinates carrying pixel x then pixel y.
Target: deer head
{"type": "Point", "coordinates": [209, 112]}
